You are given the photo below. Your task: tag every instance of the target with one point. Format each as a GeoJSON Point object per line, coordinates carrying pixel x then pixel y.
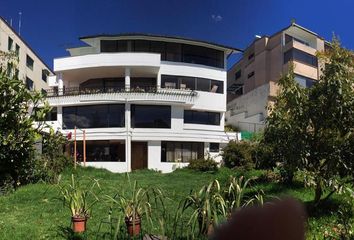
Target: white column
{"type": "Point", "coordinates": [128, 137]}
{"type": "Point", "coordinates": [60, 116]}
{"type": "Point", "coordinates": [158, 80]}
{"type": "Point", "coordinates": [127, 79]}
{"type": "Point", "coordinates": [60, 83]}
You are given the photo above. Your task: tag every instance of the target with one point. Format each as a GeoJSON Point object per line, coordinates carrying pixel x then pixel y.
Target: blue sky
{"type": "Point", "coordinates": [51, 26]}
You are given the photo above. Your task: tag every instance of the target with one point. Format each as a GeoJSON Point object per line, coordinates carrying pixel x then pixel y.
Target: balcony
{"type": "Point", "coordinates": [76, 95]}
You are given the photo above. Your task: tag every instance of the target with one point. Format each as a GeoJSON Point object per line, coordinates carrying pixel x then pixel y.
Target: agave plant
{"type": "Point", "coordinates": [235, 193]}
{"type": "Point", "coordinates": [137, 202]}
{"type": "Point", "coordinates": [78, 199]}
{"type": "Point", "coordinates": [208, 206]}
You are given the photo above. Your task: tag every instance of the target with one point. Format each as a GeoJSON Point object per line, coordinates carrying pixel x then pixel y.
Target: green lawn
{"type": "Point", "coordinates": [35, 212]}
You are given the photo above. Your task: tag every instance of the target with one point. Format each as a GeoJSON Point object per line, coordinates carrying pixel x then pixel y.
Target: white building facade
{"type": "Point", "coordinates": [144, 101]}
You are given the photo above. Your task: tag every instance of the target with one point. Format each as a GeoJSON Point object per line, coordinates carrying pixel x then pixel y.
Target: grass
{"type": "Point", "coordinates": [36, 212]}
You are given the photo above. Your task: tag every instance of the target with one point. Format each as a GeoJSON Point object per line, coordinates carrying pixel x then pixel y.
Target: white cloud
{"type": "Point", "coordinates": [216, 17]}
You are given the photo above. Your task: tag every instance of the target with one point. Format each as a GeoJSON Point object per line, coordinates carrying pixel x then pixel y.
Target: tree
{"type": "Point", "coordinates": [311, 129]}
{"type": "Point", "coordinates": [19, 109]}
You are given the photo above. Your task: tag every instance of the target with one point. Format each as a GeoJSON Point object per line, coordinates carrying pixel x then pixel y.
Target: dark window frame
{"type": "Point", "coordinates": [201, 117]}
{"type": "Point", "coordinates": [170, 51]}
{"type": "Point", "coordinates": [29, 62]}
{"type": "Point", "coordinates": [119, 122]}
{"type": "Point", "coordinates": [29, 84]}
{"type": "Point", "coordinates": [10, 44]}
{"type": "Point", "coordinates": [238, 74]}
{"type": "Point", "coordinates": [196, 147]}
{"type": "Point", "coordinates": [297, 55]}
{"type": "Point", "coordinates": [154, 124]}
{"type": "Point", "coordinates": [214, 147]}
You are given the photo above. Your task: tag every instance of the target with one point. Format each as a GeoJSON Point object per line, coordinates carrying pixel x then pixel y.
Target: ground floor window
{"type": "Point", "coordinates": [181, 151]}
{"type": "Point", "coordinates": [214, 147]}
{"type": "Point", "coordinates": [101, 151]}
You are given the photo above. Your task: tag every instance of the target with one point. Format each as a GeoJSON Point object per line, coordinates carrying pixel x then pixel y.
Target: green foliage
{"type": "Point", "coordinates": [136, 202]}
{"type": "Point", "coordinates": [203, 165]}
{"type": "Point", "coordinates": [312, 128]}
{"type": "Point", "coordinates": [79, 199]}
{"type": "Point", "coordinates": [230, 128]}
{"type": "Point", "coordinates": [52, 162]}
{"type": "Point", "coordinates": [238, 154]}
{"type": "Point", "coordinates": [208, 207]}
{"type": "Point", "coordinates": [18, 112]}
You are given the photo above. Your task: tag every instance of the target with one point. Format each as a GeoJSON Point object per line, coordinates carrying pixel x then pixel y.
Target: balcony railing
{"type": "Point", "coordinates": [75, 91]}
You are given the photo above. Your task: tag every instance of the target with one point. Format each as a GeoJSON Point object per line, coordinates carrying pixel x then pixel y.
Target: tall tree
{"type": "Point", "coordinates": [312, 128]}
{"type": "Point", "coordinates": [19, 109]}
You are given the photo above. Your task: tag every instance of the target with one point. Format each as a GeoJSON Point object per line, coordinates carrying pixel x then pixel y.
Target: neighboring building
{"type": "Point", "coordinates": [30, 68]}
{"type": "Point", "coordinates": [144, 101]}
{"type": "Point", "coordinates": [251, 82]}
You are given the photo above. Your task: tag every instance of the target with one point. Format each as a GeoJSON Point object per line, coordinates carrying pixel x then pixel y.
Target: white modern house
{"type": "Point", "coordinates": [145, 101]}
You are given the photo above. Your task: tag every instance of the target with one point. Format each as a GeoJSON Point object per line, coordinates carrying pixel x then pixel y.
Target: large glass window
{"type": "Point", "coordinates": [114, 46]}
{"type": "Point", "coordinates": [141, 46]}
{"type": "Point", "coordinates": [94, 116]}
{"type": "Point", "coordinates": [197, 117]}
{"type": "Point", "coordinates": [192, 83]}
{"type": "Point", "coordinates": [304, 81]}
{"type": "Point", "coordinates": [203, 55]}
{"type": "Point", "coordinates": [150, 116]}
{"type": "Point", "coordinates": [300, 56]}
{"type": "Point", "coordinates": [170, 51]}
{"type": "Point", "coordinates": [103, 84]}
{"type": "Point", "coordinates": [102, 151]}
{"type": "Point", "coordinates": [181, 151]}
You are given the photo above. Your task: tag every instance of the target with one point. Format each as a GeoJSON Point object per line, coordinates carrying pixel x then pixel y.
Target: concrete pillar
{"type": "Point", "coordinates": [158, 80]}
{"type": "Point", "coordinates": [127, 79]}
{"type": "Point", "coordinates": [60, 84]}
{"type": "Point", "coordinates": [128, 137]}
{"type": "Point", "coordinates": [60, 116]}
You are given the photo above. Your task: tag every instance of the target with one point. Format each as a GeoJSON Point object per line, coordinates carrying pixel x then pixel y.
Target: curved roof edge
{"type": "Point", "coordinates": [233, 49]}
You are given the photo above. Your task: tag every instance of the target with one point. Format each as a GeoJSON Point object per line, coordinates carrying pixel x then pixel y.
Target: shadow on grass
{"type": "Point", "coordinates": [68, 233]}
{"type": "Point", "coordinates": [325, 208]}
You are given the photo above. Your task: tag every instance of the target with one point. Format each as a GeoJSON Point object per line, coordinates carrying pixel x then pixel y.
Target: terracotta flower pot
{"type": "Point", "coordinates": [133, 227]}
{"type": "Point", "coordinates": [79, 224]}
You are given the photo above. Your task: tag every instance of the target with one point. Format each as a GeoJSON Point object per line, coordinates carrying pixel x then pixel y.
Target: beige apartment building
{"type": "Point", "coordinates": [251, 82]}
{"type": "Point", "coordinates": [31, 68]}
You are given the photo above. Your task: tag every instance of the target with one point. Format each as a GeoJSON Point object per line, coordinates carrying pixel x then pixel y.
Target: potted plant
{"type": "Point", "coordinates": [135, 204]}
{"type": "Point", "coordinates": [80, 202]}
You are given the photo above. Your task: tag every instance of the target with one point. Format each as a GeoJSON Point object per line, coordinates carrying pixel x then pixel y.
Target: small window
{"type": "Point", "coordinates": [52, 115]}
{"type": "Point", "coordinates": [235, 89]}
{"type": "Point", "coordinates": [17, 50]}
{"type": "Point", "coordinates": [238, 74]}
{"type": "Point", "coordinates": [29, 84]}
{"type": "Point", "coordinates": [214, 147]}
{"type": "Point", "coordinates": [10, 44]}
{"type": "Point", "coordinates": [29, 62]}
{"type": "Point", "coordinates": [251, 74]}
{"type": "Point", "coordinates": [45, 74]}
{"type": "Point", "coordinates": [250, 56]}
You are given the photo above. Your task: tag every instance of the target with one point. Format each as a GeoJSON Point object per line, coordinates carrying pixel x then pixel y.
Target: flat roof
{"type": "Point", "coordinates": [145, 35]}
{"type": "Point", "coordinates": [27, 45]}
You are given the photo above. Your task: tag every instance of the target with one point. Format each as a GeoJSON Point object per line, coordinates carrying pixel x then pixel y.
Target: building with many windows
{"type": "Point", "coordinates": [145, 101]}
{"type": "Point", "coordinates": [251, 82]}
{"type": "Point", "coordinates": [30, 67]}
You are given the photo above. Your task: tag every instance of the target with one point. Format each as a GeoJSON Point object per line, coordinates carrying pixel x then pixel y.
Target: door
{"type": "Point", "coordinates": [139, 155]}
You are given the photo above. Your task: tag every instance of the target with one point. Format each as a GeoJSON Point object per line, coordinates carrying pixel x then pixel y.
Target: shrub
{"type": "Point", "coordinates": [238, 154]}
{"type": "Point", "coordinates": [262, 157]}
{"type": "Point", "coordinates": [52, 161]}
{"type": "Point", "coordinates": [203, 165]}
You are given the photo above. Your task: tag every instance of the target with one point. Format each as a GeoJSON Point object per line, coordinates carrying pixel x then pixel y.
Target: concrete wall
{"type": "Point", "coordinates": [36, 74]}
